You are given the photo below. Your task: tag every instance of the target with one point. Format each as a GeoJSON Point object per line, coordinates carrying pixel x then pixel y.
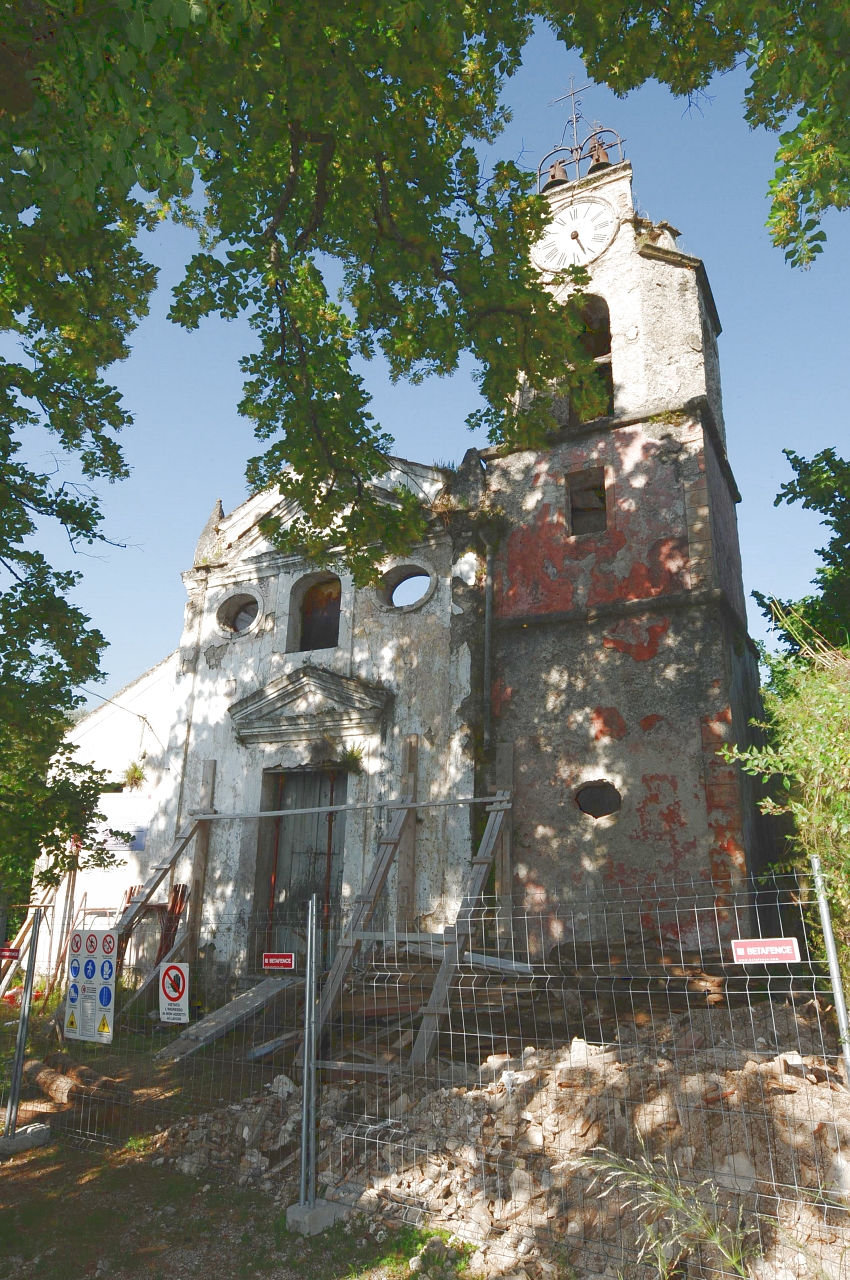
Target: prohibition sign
{"type": "Point", "coordinates": [91, 944]}
{"type": "Point", "coordinates": [76, 942]}
{"type": "Point", "coordinates": [108, 943]}
{"type": "Point", "coordinates": [173, 983]}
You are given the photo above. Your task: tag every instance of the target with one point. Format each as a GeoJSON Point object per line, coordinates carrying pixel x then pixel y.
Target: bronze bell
{"type": "Point", "coordinates": [599, 156]}
{"type": "Point", "coordinates": [557, 175]}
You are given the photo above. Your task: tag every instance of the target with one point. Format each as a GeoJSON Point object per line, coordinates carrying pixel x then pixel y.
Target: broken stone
{"type": "Point", "coordinates": [736, 1173]}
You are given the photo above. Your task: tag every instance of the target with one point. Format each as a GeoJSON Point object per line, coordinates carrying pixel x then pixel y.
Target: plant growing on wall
{"type": "Point", "coordinates": [133, 776]}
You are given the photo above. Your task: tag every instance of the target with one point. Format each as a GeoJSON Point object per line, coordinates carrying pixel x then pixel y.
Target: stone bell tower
{"type": "Point", "coordinates": [622, 663]}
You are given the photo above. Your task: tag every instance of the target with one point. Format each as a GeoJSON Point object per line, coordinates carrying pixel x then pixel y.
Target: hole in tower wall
{"type": "Point", "coordinates": [596, 341]}
{"type": "Point", "coordinates": [599, 799]}
{"type": "Point", "coordinates": [588, 509]}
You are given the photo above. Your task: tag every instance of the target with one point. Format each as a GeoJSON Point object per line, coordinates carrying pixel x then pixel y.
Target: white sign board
{"type": "Point", "coordinates": [765, 951]}
{"type": "Point", "coordinates": [90, 999]}
{"type": "Point", "coordinates": [173, 992]}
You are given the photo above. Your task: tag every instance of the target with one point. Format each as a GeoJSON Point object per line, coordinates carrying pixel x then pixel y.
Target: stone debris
{"type": "Point", "coordinates": [496, 1160]}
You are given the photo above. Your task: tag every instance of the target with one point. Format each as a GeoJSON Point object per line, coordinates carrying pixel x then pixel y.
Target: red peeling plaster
{"type": "Point", "coordinates": [500, 693]}
{"type": "Point", "coordinates": [727, 856]}
{"type": "Point", "coordinates": [660, 818]}
{"type": "Point", "coordinates": [535, 563]}
{"type": "Point", "coordinates": [666, 570]}
{"type": "Point", "coordinates": [649, 722]}
{"type": "Point", "coordinates": [607, 724]}
{"type": "Point", "coordinates": [639, 639]}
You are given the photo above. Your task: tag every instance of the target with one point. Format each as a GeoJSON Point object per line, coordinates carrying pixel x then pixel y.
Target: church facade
{"type": "Point", "coordinates": [573, 627]}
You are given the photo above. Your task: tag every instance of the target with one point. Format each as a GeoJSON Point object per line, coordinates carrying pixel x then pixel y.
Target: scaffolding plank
{"type": "Point", "coordinates": [230, 1015]}
{"type": "Point", "coordinates": [361, 916]}
{"type": "Point", "coordinates": [458, 939]}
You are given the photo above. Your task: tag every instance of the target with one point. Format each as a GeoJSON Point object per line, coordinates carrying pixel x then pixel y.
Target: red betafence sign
{"type": "Point", "coordinates": [765, 951]}
{"type": "Point", "coordinates": [280, 960]}
{"type": "Point", "coordinates": [10, 953]}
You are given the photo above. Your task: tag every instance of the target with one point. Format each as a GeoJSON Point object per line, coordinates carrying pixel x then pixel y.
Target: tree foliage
{"type": "Point", "coordinates": [821, 484]}
{"type": "Point", "coordinates": [295, 137]}
{"type": "Point", "coordinates": [806, 760]}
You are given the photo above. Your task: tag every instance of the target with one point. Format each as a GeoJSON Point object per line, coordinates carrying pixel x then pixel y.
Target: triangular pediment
{"type": "Point", "coordinates": [308, 704]}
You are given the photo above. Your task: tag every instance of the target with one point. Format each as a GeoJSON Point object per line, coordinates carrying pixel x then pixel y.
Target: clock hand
{"type": "Point", "coordinates": [574, 235]}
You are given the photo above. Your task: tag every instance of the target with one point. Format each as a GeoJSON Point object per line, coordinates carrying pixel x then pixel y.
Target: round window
{"type": "Point", "coordinates": [599, 799]}
{"type": "Point", "coordinates": [238, 614]}
{"type": "Point", "coordinates": [406, 586]}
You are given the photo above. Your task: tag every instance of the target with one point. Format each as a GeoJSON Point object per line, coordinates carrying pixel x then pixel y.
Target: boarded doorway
{"type": "Point", "coordinates": [299, 856]}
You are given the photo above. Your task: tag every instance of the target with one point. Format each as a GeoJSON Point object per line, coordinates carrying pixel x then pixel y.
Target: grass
{"type": "Point", "coordinates": [62, 1211]}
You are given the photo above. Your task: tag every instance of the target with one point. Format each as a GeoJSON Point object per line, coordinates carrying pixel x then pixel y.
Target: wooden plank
{"type": "Point", "coordinates": [22, 940]}
{"type": "Point", "coordinates": [199, 863]}
{"type": "Point", "coordinates": [406, 857]}
{"type": "Point", "coordinates": [424, 943]}
{"type": "Point", "coordinates": [364, 909]}
{"type": "Point", "coordinates": [259, 1051]}
{"type": "Point", "coordinates": [157, 874]}
{"type": "Point", "coordinates": [153, 974]}
{"type": "Point", "coordinates": [503, 778]}
{"type": "Point", "coordinates": [222, 1020]}
{"type": "Point", "coordinates": [357, 1068]}
{"type": "Point", "coordinates": [457, 944]}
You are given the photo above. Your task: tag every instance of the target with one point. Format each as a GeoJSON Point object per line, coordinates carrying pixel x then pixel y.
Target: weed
{"type": "Point", "coordinates": [675, 1216]}
{"type": "Point", "coordinates": [140, 1143]}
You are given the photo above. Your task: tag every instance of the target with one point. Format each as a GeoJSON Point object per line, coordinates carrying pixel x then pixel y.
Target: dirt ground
{"type": "Point", "coordinates": [67, 1214]}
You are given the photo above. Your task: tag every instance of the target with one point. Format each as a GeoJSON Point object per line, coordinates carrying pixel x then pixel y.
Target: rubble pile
{"type": "Point", "coordinates": [498, 1160]}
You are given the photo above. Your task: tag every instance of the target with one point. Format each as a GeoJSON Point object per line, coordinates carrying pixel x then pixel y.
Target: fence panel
{"type": "Point", "coordinates": [591, 1057]}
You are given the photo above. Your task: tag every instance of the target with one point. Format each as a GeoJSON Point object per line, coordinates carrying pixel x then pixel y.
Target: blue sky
{"type": "Point", "coordinates": [784, 362]}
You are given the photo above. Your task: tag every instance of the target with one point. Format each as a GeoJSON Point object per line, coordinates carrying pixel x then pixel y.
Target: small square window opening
{"type": "Point", "coordinates": [588, 512]}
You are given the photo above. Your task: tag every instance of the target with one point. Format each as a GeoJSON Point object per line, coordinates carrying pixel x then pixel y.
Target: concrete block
{"type": "Point", "coordinates": [27, 1137]}
{"type": "Point", "coordinates": [312, 1221]}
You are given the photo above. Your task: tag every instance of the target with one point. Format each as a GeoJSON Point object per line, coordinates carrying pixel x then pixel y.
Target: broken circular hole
{"type": "Point", "coordinates": [238, 614]}
{"type": "Point", "coordinates": [406, 586]}
{"type": "Point", "coordinates": [599, 799]}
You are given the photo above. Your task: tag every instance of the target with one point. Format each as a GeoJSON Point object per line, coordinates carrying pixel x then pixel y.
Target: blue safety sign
{"type": "Point", "coordinates": [75, 968]}
{"type": "Point", "coordinates": [106, 970]}
{"type": "Point", "coordinates": [105, 996]}
{"type": "Point", "coordinates": [73, 993]}
{"type": "Point", "coordinates": [88, 970]}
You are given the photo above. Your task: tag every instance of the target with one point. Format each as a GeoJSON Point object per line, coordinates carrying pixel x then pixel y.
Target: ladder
{"type": "Point", "coordinates": [457, 940]}
{"type": "Point", "coordinates": [156, 875]}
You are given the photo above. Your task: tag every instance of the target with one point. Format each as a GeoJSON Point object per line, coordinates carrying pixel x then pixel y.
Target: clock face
{"type": "Point", "coordinates": [577, 235]}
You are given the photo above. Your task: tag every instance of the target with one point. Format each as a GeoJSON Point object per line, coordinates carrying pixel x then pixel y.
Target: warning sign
{"type": "Point", "coordinates": [90, 1000]}
{"type": "Point", "coordinates": [174, 993]}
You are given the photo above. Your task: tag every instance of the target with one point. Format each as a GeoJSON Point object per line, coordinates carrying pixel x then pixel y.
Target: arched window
{"type": "Point", "coordinates": [319, 614]}
{"type": "Point", "coordinates": [596, 341]}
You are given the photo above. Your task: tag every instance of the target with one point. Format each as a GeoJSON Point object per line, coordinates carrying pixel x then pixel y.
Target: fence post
{"type": "Point", "coordinates": [23, 1028]}
{"type": "Point", "coordinates": [308, 1060]}
{"type": "Point", "coordinates": [832, 960]}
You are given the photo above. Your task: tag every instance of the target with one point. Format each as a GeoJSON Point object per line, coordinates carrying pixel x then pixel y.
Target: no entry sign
{"type": "Point", "coordinates": [174, 992]}
{"type": "Point", "coordinates": [284, 960]}
{"type": "Point", "coordinates": [765, 951]}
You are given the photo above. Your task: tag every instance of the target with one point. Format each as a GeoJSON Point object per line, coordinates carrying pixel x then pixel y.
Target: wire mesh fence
{"type": "Point", "coordinates": [585, 1060]}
